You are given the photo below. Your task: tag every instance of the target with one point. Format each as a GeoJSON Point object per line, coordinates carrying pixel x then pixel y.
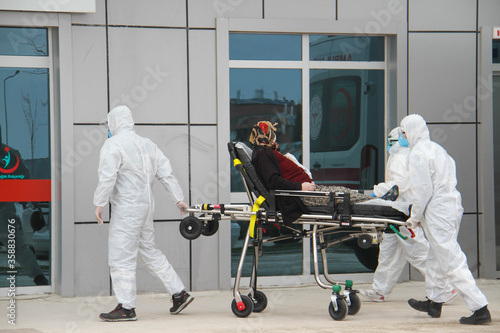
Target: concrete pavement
{"type": "Point", "coordinates": [297, 309]}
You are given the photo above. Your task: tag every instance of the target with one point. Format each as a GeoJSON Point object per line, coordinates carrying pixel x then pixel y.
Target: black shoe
{"type": "Point", "coordinates": [433, 309]}
{"type": "Point", "coordinates": [119, 314]}
{"type": "Point", "coordinates": [479, 317]}
{"type": "Point", "coordinates": [392, 194]}
{"type": "Point", "coordinates": [41, 280]}
{"type": "Point", "coordinates": [180, 300]}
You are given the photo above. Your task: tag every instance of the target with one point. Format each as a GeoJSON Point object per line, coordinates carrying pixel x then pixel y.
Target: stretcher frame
{"type": "Point", "coordinates": [324, 220]}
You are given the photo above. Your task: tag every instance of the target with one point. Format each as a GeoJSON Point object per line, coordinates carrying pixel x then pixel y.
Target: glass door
{"type": "Point", "coordinates": [25, 158]}
{"type": "Point", "coordinates": [496, 143]}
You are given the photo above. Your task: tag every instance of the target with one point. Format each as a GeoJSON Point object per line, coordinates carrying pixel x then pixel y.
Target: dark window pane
{"type": "Point", "coordinates": [265, 47]}
{"type": "Point", "coordinates": [496, 47]}
{"type": "Point", "coordinates": [496, 146]}
{"type": "Point", "coordinates": [347, 127]}
{"type": "Point", "coordinates": [23, 41]}
{"type": "Point", "coordinates": [25, 173]}
{"type": "Point", "coordinates": [346, 48]}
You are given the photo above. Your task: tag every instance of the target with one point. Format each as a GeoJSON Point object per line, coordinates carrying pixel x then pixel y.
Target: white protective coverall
{"type": "Point", "coordinates": [395, 251]}
{"type": "Point", "coordinates": [128, 167]}
{"type": "Point", "coordinates": [437, 205]}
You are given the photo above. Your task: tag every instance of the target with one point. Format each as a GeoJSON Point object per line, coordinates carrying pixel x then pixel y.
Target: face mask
{"type": "Point", "coordinates": [107, 127]}
{"type": "Point", "coordinates": [403, 142]}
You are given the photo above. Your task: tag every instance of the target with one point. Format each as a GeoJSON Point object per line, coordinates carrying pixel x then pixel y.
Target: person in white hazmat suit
{"type": "Point", "coordinates": [437, 206]}
{"type": "Point", "coordinates": [395, 251]}
{"type": "Point", "coordinates": [128, 167]}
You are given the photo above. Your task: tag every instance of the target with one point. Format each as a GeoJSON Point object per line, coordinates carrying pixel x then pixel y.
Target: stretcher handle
{"type": "Point", "coordinates": [397, 232]}
{"type": "Point", "coordinates": [253, 218]}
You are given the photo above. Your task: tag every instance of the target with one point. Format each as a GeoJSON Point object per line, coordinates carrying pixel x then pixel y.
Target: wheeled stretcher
{"type": "Point", "coordinates": [362, 222]}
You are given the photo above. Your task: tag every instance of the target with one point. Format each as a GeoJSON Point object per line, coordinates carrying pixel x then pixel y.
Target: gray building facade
{"type": "Point", "coordinates": [171, 62]}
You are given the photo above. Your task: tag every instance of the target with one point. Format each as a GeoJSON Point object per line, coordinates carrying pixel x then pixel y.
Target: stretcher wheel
{"type": "Point", "coordinates": [242, 310]}
{"type": "Point", "coordinates": [259, 301]}
{"type": "Point", "coordinates": [210, 227]}
{"type": "Point", "coordinates": [355, 304]}
{"type": "Point", "coordinates": [341, 312]}
{"type": "Point", "coordinates": [190, 227]}
{"type": "Point", "coordinates": [365, 241]}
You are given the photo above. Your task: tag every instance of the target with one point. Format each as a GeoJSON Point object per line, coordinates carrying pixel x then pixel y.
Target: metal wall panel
{"type": "Point", "coordinates": [83, 163]}
{"type": "Point", "coordinates": [442, 15]}
{"type": "Point", "coordinates": [375, 12]}
{"type": "Point", "coordinates": [202, 13]}
{"type": "Point", "coordinates": [297, 9]}
{"type": "Point", "coordinates": [90, 101]}
{"type": "Point", "coordinates": [156, 13]}
{"type": "Point", "coordinates": [442, 76]}
{"type": "Point", "coordinates": [202, 77]}
{"type": "Point", "coordinates": [99, 17]}
{"type": "Point", "coordinates": [459, 140]}
{"type": "Point", "coordinates": [204, 189]}
{"type": "Point", "coordinates": [173, 142]}
{"type": "Point", "coordinates": [91, 260]}
{"type": "Point", "coordinates": [488, 13]}
{"type": "Point", "coordinates": [147, 71]}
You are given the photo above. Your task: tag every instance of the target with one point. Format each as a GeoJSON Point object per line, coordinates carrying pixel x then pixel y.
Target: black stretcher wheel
{"type": "Point", "coordinates": [247, 301]}
{"type": "Point", "coordinates": [259, 301]}
{"type": "Point", "coordinates": [190, 227]}
{"type": "Point", "coordinates": [341, 313]}
{"type": "Point", "coordinates": [210, 227]}
{"type": "Point", "coordinates": [365, 241]}
{"type": "Point", "coordinates": [355, 304]}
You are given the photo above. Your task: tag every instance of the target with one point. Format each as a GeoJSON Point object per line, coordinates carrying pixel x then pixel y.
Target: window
{"type": "Point", "coordinates": [25, 156]}
{"type": "Point", "coordinates": [344, 111]}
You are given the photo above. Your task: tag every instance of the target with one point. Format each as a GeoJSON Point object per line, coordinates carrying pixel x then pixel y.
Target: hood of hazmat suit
{"type": "Point", "coordinates": [432, 174]}
{"type": "Point", "coordinates": [396, 171]}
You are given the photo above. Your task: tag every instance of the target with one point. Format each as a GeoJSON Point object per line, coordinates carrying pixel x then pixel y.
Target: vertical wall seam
{"type": "Point", "coordinates": [189, 140]}
{"type": "Point", "coordinates": [108, 101]}
{"type": "Point", "coordinates": [477, 147]}
{"type": "Point", "coordinates": [407, 57]}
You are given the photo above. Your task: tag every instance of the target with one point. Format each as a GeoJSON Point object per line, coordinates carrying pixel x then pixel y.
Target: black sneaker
{"type": "Point", "coordinates": [119, 314]}
{"type": "Point", "coordinates": [180, 300]}
{"type": "Point", "coordinates": [433, 309]}
{"type": "Point", "coordinates": [392, 194]}
{"type": "Point", "coordinates": [479, 317]}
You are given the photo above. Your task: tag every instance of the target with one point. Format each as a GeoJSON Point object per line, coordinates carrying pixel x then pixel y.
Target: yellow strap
{"type": "Point", "coordinates": [236, 162]}
{"type": "Point", "coordinates": [255, 208]}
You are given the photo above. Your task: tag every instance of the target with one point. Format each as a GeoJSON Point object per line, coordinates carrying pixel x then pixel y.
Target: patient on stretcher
{"type": "Point", "coordinates": [279, 172]}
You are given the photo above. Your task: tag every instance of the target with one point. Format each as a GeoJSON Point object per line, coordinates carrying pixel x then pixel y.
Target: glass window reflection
{"type": "Point", "coordinates": [346, 48]}
{"type": "Point", "coordinates": [265, 47]}
{"type": "Point", "coordinates": [25, 172]}
{"type": "Point", "coordinates": [274, 95]}
{"type": "Point", "coordinates": [23, 41]}
{"type": "Point", "coordinates": [266, 94]}
{"type": "Point", "coordinates": [347, 127]}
